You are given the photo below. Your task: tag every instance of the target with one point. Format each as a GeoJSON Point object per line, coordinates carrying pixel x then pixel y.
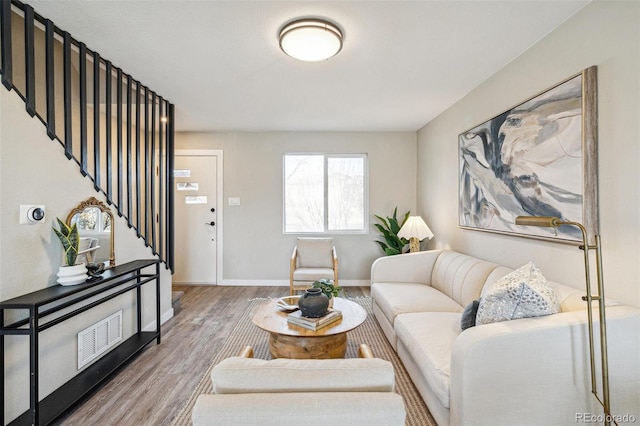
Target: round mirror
{"type": "Point", "coordinates": [95, 226]}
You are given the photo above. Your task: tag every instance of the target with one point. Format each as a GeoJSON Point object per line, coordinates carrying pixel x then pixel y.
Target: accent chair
{"type": "Point", "coordinates": [312, 259]}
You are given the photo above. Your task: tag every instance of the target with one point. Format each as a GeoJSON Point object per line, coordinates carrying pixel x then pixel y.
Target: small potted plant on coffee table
{"type": "Point", "coordinates": [328, 288]}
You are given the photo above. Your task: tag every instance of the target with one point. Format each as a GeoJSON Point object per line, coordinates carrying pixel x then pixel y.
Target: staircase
{"type": "Point", "coordinates": [118, 131]}
{"type": "Point", "coordinates": [176, 296]}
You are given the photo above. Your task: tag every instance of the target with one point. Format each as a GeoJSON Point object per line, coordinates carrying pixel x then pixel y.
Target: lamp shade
{"type": "Point", "coordinates": [310, 39]}
{"type": "Point", "coordinates": [415, 227]}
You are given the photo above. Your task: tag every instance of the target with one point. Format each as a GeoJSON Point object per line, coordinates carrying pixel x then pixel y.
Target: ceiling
{"type": "Point", "coordinates": [403, 62]}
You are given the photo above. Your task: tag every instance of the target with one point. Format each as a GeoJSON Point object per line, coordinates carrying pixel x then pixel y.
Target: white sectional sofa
{"type": "Point", "coordinates": [529, 371]}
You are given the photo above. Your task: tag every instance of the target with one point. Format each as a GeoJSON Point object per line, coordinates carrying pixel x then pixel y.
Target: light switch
{"type": "Point", "coordinates": [234, 201]}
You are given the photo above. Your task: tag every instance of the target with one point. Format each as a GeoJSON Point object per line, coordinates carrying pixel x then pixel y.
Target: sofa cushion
{"type": "Point", "coordinates": [398, 298]}
{"type": "Point", "coordinates": [429, 339]}
{"type": "Point", "coordinates": [251, 375]}
{"type": "Point", "coordinates": [460, 277]}
{"type": "Point", "coordinates": [522, 293]}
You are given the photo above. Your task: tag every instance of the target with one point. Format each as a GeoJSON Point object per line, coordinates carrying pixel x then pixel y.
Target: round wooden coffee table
{"type": "Point", "coordinates": [291, 341]}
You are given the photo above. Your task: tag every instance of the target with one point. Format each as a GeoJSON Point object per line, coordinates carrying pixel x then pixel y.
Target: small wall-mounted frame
{"type": "Point", "coordinates": [182, 173]}
{"type": "Point", "coordinates": [196, 199]}
{"type": "Point", "coordinates": [187, 186]}
{"type": "Point", "coordinates": [536, 159]}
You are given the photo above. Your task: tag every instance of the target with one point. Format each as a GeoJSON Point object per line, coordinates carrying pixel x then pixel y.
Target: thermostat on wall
{"type": "Point", "coordinates": [30, 214]}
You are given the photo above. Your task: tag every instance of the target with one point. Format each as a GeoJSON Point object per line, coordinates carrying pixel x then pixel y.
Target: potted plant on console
{"type": "Point", "coordinates": [70, 273]}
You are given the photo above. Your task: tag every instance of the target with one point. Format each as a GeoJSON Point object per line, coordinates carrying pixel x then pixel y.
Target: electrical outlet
{"type": "Point", "coordinates": [31, 214]}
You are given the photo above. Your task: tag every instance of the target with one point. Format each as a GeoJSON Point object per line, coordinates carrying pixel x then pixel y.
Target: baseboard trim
{"type": "Point", "coordinates": [163, 318]}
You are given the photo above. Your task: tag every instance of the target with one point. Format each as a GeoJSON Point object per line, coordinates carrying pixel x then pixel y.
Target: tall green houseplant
{"type": "Point", "coordinates": [70, 240]}
{"type": "Point", "coordinates": [389, 228]}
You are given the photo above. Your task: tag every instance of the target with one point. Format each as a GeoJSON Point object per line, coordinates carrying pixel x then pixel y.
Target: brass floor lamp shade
{"type": "Point", "coordinates": [554, 222]}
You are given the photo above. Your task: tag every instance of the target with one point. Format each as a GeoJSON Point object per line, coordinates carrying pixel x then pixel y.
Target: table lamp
{"type": "Point", "coordinates": [415, 230]}
{"type": "Point", "coordinates": [554, 222]}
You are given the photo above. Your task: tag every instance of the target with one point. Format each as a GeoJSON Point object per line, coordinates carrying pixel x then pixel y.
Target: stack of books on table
{"type": "Point", "coordinates": [314, 324]}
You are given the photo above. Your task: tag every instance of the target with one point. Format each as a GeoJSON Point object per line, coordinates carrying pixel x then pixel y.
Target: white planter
{"type": "Point", "coordinates": [72, 275]}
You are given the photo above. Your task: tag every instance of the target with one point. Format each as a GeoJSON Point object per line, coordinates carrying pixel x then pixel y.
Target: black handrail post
{"type": "Point", "coordinates": [129, 116]}
{"type": "Point", "coordinates": [170, 193]}
{"type": "Point", "coordinates": [29, 61]}
{"type": "Point", "coordinates": [153, 173]}
{"type": "Point", "coordinates": [50, 79]}
{"type": "Point", "coordinates": [96, 121]}
{"type": "Point", "coordinates": [83, 109]}
{"type": "Point", "coordinates": [137, 225]}
{"type": "Point", "coordinates": [68, 112]}
{"type": "Point", "coordinates": [120, 176]}
{"type": "Point", "coordinates": [7, 55]}
{"type": "Point", "coordinates": [162, 202]}
{"type": "Point", "coordinates": [146, 207]}
{"type": "Point", "coordinates": [108, 130]}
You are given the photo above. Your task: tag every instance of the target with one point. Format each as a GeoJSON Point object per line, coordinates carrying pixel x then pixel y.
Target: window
{"type": "Point", "coordinates": [325, 193]}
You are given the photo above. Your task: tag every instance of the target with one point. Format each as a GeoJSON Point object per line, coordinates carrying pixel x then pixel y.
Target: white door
{"type": "Point", "coordinates": [195, 183]}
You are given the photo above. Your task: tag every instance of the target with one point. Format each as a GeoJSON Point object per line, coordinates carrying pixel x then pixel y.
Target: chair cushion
{"type": "Point", "coordinates": [315, 253]}
{"type": "Point", "coordinates": [250, 375]}
{"type": "Point", "coordinates": [308, 409]}
{"type": "Point", "coordinates": [312, 274]}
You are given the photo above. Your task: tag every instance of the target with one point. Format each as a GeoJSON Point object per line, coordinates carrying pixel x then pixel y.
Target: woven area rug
{"type": "Point", "coordinates": [246, 333]}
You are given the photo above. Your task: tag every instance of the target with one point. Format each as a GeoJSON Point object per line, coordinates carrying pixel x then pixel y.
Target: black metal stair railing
{"type": "Point", "coordinates": [127, 153]}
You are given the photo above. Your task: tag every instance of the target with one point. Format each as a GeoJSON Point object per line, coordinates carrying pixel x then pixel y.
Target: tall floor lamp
{"type": "Point", "coordinates": [554, 222]}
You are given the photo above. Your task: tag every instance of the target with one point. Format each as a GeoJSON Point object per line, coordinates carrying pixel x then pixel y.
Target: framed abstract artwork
{"type": "Point", "coordinates": [536, 159]}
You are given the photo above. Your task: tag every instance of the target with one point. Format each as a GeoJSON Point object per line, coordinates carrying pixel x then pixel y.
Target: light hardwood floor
{"type": "Point", "coordinates": [154, 386]}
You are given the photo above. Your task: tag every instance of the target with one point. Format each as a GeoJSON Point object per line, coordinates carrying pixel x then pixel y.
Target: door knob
{"type": "Point", "coordinates": [212, 223]}
{"type": "Point", "coordinates": [213, 210]}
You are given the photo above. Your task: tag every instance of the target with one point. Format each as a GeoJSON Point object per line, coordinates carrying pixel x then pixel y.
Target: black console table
{"type": "Point", "coordinates": [43, 304]}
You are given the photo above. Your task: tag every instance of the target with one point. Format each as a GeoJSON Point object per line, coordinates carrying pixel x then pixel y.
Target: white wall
{"type": "Point", "coordinates": [34, 170]}
{"type": "Point", "coordinates": [606, 34]}
{"type": "Point", "coordinates": [255, 248]}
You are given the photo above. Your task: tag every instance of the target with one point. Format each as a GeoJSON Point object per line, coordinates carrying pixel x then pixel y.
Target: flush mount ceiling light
{"type": "Point", "coordinates": [310, 39]}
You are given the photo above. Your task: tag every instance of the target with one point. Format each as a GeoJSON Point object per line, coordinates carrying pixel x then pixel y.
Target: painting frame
{"type": "Point", "coordinates": [538, 158]}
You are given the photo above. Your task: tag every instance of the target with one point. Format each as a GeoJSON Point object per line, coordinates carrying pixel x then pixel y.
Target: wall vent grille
{"type": "Point", "coordinates": [98, 338]}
